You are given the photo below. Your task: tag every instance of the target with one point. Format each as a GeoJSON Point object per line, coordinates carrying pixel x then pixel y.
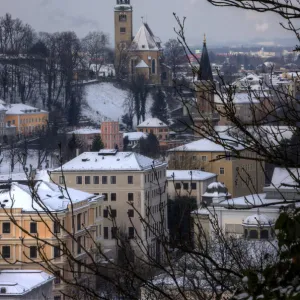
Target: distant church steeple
{"type": "Point", "coordinates": [205, 72]}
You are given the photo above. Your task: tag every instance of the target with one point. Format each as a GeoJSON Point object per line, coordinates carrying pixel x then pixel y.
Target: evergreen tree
{"type": "Point", "coordinates": [150, 146]}
{"type": "Point", "coordinates": [97, 144]}
{"type": "Point", "coordinates": [159, 108]}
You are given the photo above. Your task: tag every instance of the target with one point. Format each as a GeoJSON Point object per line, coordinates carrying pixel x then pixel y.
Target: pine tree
{"type": "Point", "coordinates": [97, 143]}
{"type": "Point", "coordinates": [159, 108]}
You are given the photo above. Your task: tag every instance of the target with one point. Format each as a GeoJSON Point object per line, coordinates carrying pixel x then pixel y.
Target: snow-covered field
{"type": "Point", "coordinates": [104, 102]}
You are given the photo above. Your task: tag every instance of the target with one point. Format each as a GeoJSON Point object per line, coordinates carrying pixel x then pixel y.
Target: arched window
{"type": "Point", "coordinates": [122, 18]}
{"type": "Point", "coordinates": [153, 66]}
{"type": "Point", "coordinates": [253, 234]}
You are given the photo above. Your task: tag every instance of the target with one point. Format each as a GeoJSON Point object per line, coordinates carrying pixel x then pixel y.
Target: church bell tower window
{"type": "Point", "coordinates": [122, 18]}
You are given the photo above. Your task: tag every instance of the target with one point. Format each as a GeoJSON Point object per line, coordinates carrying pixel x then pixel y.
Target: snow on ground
{"type": "Point", "coordinates": [104, 102]}
{"type": "Point", "coordinates": [32, 160]}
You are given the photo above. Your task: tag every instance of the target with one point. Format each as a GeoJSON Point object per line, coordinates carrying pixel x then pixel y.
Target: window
{"type": "Point", "coordinates": [56, 251]}
{"type": "Point", "coordinates": [105, 196]}
{"type": "Point", "coordinates": [253, 234]}
{"type": "Point", "coordinates": [130, 232]}
{"type": "Point", "coordinates": [113, 213]}
{"type": "Point", "coordinates": [57, 278]}
{"type": "Point", "coordinates": [194, 158]}
{"type": "Point", "coordinates": [122, 30]}
{"type": "Point", "coordinates": [222, 171]}
{"type": "Point", "coordinates": [104, 179]}
{"type": "Point", "coordinates": [105, 229]}
{"type": "Point", "coordinates": [193, 186]}
{"type": "Point", "coordinates": [56, 227]}
{"type": "Point", "coordinates": [33, 252]}
{"type": "Point", "coordinates": [264, 234]}
{"type": "Point", "coordinates": [185, 186]}
{"type": "Point", "coordinates": [130, 196]}
{"type": "Point", "coordinates": [6, 228]}
{"type": "Point", "coordinates": [57, 298]}
{"type": "Point", "coordinates": [203, 158]}
{"type": "Point", "coordinates": [79, 245]}
{"type": "Point", "coordinates": [78, 221]}
{"type": "Point", "coordinates": [61, 180]}
{"type": "Point", "coordinates": [130, 213]}
{"type": "Point", "coordinates": [130, 179]}
{"type": "Point", "coordinates": [6, 251]}
{"type": "Point", "coordinates": [105, 213]}
{"type": "Point", "coordinates": [114, 231]}
{"type": "Point", "coordinates": [122, 18]}
{"type": "Point", "coordinates": [33, 227]}
{"type": "Point", "coordinates": [78, 179]}
{"type": "Point", "coordinates": [113, 196]}
{"type": "Point", "coordinates": [153, 66]}
{"type": "Point", "coordinates": [113, 179]}
{"type": "Point", "coordinates": [87, 179]}
{"type": "Point", "coordinates": [177, 186]}
{"type": "Point", "coordinates": [96, 179]}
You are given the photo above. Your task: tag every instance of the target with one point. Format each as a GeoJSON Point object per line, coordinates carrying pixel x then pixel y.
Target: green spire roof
{"type": "Point", "coordinates": [205, 72]}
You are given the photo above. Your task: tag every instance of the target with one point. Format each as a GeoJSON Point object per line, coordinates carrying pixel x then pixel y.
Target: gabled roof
{"type": "Point", "coordinates": [152, 122]}
{"type": "Point", "coordinates": [142, 64]}
{"type": "Point", "coordinates": [145, 39]}
{"type": "Point", "coordinates": [205, 72]}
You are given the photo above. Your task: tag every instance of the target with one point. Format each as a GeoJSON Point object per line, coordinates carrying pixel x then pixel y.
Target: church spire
{"type": "Point", "coordinates": [205, 72]}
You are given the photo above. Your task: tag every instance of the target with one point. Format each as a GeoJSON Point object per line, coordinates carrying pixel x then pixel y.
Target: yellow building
{"type": "Point", "coordinates": [27, 119]}
{"type": "Point", "coordinates": [241, 176]}
{"type": "Point", "coordinates": [19, 206]}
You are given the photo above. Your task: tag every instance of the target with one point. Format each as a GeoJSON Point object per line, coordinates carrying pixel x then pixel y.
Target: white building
{"type": "Point", "coordinates": [236, 214]}
{"type": "Point", "coordinates": [25, 285]}
{"type": "Point", "coordinates": [188, 183]}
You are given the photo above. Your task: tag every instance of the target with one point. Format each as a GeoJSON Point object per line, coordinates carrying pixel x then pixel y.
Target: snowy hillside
{"type": "Point", "coordinates": [104, 102]}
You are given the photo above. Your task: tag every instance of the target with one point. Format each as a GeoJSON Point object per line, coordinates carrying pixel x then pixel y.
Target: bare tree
{"type": "Point", "coordinates": [95, 46]}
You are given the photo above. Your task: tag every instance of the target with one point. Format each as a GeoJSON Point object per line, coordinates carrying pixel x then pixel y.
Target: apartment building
{"type": "Point", "coordinates": [241, 176]}
{"type": "Point", "coordinates": [132, 186]}
{"type": "Point", "coordinates": [27, 119]}
{"type": "Point", "coordinates": [188, 183]}
{"type": "Point", "coordinates": [30, 212]}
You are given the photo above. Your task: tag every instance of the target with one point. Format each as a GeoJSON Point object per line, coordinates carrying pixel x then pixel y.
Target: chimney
{"type": "Point", "coordinates": [77, 151]}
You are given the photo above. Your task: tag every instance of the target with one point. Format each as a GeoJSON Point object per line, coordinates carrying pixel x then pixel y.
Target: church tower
{"type": "Point", "coordinates": [123, 25]}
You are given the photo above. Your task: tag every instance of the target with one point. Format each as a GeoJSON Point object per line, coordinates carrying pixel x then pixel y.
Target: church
{"type": "Point", "coordinates": [141, 54]}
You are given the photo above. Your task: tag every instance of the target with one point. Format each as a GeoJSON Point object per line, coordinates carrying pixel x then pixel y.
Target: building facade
{"type": "Point", "coordinates": [188, 183]}
{"type": "Point", "coordinates": [132, 186]}
{"type": "Point", "coordinates": [33, 219]}
{"type": "Point", "coordinates": [27, 119]}
{"type": "Point", "coordinates": [111, 135]}
{"type": "Point", "coordinates": [208, 156]}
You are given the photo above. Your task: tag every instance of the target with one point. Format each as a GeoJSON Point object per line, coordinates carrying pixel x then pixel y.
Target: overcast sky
{"type": "Point", "coordinates": [221, 25]}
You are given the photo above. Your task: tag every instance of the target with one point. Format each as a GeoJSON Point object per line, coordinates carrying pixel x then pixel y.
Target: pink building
{"type": "Point", "coordinates": [111, 135]}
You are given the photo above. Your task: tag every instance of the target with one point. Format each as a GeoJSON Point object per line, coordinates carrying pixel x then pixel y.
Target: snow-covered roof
{"type": "Point", "coordinates": [283, 178]}
{"type": "Point", "coordinates": [54, 197]}
{"type": "Point", "coordinates": [86, 130]}
{"type": "Point", "coordinates": [20, 109]}
{"type": "Point", "coordinates": [121, 161]}
{"type": "Point", "coordinates": [239, 98]}
{"type": "Point", "coordinates": [216, 189]}
{"type": "Point", "coordinates": [145, 40]}
{"type": "Point", "coordinates": [141, 65]}
{"type": "Point", "coordinates": [189, 175]}
{"type": "Point", "coordinates": [135, 136]}
{"type": "Point", "coordinates": [21, 282]}
{"type": "Point", "coordinates": [152, 122]}
{"type": "Point", "coordinates": [2, 107]}
{"type": "Point", "coordinates": [205, 145]}
{"type": "Point", "coordinates": [258, 220]}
